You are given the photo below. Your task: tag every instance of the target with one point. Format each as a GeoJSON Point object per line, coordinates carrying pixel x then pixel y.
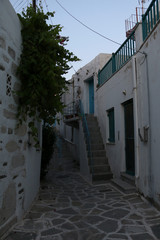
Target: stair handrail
{"type": "Point", "coordinates": [88, 140]}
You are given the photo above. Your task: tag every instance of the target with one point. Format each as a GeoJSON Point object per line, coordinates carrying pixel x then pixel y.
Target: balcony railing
{"type": "Point", "coordinates": [150, 18]}
{"type": "Point", "coordinates": [128, 48]}
{"type": "Point", "coordinates": [71, 110]}
{"type": "Point", "coordinates": [118, 59]}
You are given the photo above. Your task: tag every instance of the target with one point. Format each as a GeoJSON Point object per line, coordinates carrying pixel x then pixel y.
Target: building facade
{"type": "Point", "coordinates": [126, 104]}
{"type": "Point", "coordinates": [19, 161]}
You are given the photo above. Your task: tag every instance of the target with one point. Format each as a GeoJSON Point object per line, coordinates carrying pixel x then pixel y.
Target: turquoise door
{"type": "Point", "coordinates": [91, 97]}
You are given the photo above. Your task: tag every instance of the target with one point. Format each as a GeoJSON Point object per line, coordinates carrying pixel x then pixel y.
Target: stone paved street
{"type": "Point", "coordinates": [69, 208]}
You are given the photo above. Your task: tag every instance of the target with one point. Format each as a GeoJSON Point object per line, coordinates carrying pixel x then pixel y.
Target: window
{"type": "Point", "coordinates": [110, 114]}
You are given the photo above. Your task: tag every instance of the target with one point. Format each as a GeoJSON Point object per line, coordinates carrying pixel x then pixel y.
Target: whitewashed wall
{"type": "Point", "coordinates": [138, 80]}
{"type": "Point", "coordinates": [148, 78]}
{"type": "Point", "coordinates": [77, 82]}
{"type": "Point", "coordinates": [108, 96]}
{"type": "Point", "coordinates": [79, 79]}
{"type": "Point", "coordinates": [146, 72]}
{"type": "Point", "coordinates": [19, 163]}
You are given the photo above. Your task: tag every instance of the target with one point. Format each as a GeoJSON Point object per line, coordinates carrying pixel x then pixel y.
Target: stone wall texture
{"type": "Point", "coordinates": [19, 162]}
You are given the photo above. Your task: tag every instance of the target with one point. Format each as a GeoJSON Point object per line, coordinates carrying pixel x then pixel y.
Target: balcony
{"type": "Point", "coordinates": [71, 114]}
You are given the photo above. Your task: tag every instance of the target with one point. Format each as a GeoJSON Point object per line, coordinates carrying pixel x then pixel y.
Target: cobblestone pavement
{"type": "Point", "coordinates": [68, 208]}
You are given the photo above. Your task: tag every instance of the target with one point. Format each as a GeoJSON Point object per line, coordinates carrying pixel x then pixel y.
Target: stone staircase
{"type": "Point", "coordinates": [63, 159]}
{"type": "Point", "coordinates": [99, 164]}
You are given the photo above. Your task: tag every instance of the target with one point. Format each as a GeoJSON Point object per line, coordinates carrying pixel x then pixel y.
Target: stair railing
{"type": "Point", "coordinates": [88, 139]}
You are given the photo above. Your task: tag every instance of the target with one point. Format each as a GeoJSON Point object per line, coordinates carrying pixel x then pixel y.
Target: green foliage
{"type": "Point", "coordinates": [43, 62]}
{"type": "Point", "coordinates": [49, 138]}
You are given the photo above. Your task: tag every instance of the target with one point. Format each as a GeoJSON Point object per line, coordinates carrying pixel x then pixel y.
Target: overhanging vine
{"type": "Point", "coordinates": [44, 60]}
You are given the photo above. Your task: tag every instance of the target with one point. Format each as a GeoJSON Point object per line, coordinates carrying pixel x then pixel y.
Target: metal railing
{"type": "Point", "coordinates": [133, 20]}
{"type": "Point", "coordinates": [150, 18]}
{"type": "Point", "coordinates": [118, 59]}
{"type": "Point", "coordinates": [87, 134]}
{"type": "Point", "coordinates": [72, 109]}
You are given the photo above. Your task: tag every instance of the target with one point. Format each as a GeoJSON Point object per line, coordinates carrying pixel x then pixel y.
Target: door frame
{"type": "Point", "coordinates": [131, 149]}
{"type": "Point", "coordinates": [88, 81]}
{"type": "Point", "coordinates": [91, 96]}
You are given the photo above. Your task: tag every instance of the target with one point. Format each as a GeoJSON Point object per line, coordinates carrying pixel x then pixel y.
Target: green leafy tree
{"type": "Point", "coordinates": [44, 61]}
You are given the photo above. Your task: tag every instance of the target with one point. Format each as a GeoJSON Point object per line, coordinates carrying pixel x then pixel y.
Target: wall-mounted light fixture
{"type": "Point", "coordinates": [124, 92]}
{"type": "Point", "coordinates": [144, 138]}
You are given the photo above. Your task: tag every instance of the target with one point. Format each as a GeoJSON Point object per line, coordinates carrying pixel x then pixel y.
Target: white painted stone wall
{"type": "Point", "coordinates": [108, 96]}
{"type": "Point", "coordinates": [147, 98]}
{"type": "Point", "coordinates": [139, 80]}
{"type": "Point", "coordinates": [79, 82]}
{"type": "Point", "coordinates": [83, 74]}
{"type": "Point", "coordinates": [149, 113]}
{"type": "Point", "coordinates": [19, 163]}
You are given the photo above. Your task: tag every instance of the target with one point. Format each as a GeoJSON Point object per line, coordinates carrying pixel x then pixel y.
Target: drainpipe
{"type": "Point", "coordinates": [150, 187]}
{"type": "Point", "coordinates": [135, 106]}
{"type": "Point", "coordinates": [149, 172]}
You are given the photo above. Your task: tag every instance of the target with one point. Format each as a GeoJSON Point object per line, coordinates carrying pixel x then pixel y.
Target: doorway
{"type": "Point", "coordinates": [91, 96]}
{"type": "Point", "coordinates": [129, 137]}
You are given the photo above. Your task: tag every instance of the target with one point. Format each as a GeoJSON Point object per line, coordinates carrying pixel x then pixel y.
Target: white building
{"type": "Point", "coordinates": [19, 162]}
{"type": "Point", "coordinates": [126, 104]}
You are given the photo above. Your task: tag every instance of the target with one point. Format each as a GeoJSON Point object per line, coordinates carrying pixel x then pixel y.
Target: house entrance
{"type": "Point", "coordinates": [129, 137]}
{"type": "Point", "coordinates": [91, 96]}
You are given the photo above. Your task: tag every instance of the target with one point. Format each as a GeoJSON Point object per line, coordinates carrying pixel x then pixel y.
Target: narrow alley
{"type": "Point", "coordinates": [69, 208]}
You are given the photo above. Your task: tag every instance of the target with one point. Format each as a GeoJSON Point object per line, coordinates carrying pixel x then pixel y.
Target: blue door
{"type": "Point", "coordinates": [91, 97]}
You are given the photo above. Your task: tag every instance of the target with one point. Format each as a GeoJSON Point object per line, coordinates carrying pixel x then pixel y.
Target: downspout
{"type": "Point", "coordinates": [137, 134]}
{"type": "Point", "coordinates": [135, 106]}
{"type": "Point", "coordinates": [150, 187]}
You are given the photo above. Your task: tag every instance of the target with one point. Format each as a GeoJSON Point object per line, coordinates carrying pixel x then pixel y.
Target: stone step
{"type": "Point", "coordinates": [94, 129]}
{"type": "Point", "coordinates": [93, 132]}
{"type": "Point", "coordinates": [100, 164]}
{"type": "Point", "coordinates": [92, 122]}
{"type": "Point", "coordinates": [123, 186]}
{"type": "Point", "coordinates": [102, 176]}
{"type": "Point", "coordinates": [97, 146]}
{"type": "Point", "coordinates": [96, 140]}
{"type": "Point", "coordinates": [128, 178]}
{"type": "Point", "coordinates": [94, 135]}
{"type": "Point", "coordinates": [101, 168]}
{"type": "Point", "coordinates": [98, 153]}
{"type": "Point", "coordinates": [99, 160]}
{"type": "Point", "coordinates": [93, 126]}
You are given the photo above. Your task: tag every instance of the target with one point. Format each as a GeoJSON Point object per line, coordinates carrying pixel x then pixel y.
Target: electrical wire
{"type": "Point", "coordinates": [15, 3]}
{"type": "Point", "coordinates": [88, 26]}
{"type": "Point", "coordinates": [109, 39]}
{"type": "Point", "coordinates": [22, 7]}
{"type": "Point", "coordinates": [15, 6]}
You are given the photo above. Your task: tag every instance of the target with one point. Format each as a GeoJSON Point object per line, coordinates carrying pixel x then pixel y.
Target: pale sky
{"type": "Point", "coordinates": [106, 17]}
